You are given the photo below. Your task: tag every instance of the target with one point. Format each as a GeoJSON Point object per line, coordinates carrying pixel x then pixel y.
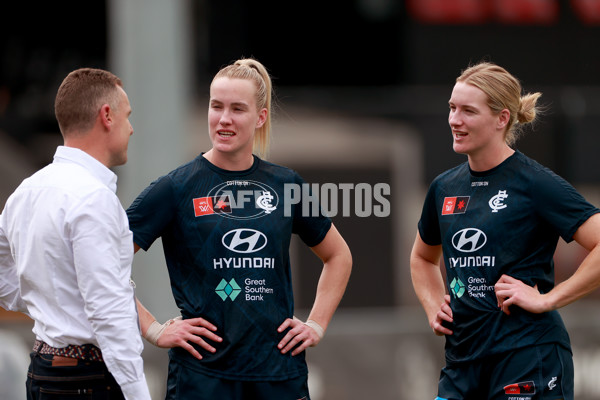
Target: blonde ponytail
{"type": "Point", "coordinates": [528, 110]}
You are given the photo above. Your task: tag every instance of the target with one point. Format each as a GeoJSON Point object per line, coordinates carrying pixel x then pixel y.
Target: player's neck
{"type": "Point", "coordinates": [229, 162]}
{"type": "Point", "coordinates": [484, 161]}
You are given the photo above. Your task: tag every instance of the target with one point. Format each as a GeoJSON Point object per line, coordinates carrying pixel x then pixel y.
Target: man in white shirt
{"type": "Point", "coordinates": [66, 252]}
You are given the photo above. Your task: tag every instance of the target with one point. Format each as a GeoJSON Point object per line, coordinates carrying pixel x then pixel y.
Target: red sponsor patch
{"type": "Point", "coordinates": [203, 206]}
{"type": "Point", "coordinates": [455, 205]}
{"type": "Point", "coordinates": [520, 388]}
{"type": "Point", "coordinates": [211, 205]}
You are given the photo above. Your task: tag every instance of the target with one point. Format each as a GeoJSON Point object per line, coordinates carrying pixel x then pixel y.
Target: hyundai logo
{"type": "Point", "coordinates": [244, 240]}
{"type": "Point", "coordinates": [469, 240]}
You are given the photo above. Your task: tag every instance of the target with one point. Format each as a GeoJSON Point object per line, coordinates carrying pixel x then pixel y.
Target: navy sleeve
{"type": "Point", "coordinates": [311, 228]}
{"type": "Point", "coordinates": [560, 204]}
{"type": "Point", "coordinates": [151, 212]}
{"type": "Point", "coordinates": [429, 228]}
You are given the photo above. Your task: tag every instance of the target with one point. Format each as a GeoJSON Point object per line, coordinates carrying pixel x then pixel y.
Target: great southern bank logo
{"type": "Point", "coordinates": [457, 288]}
{"type": "Point", "coordinates": [228, 289]}
{"type": "Point", "coordinates": [244, 240]}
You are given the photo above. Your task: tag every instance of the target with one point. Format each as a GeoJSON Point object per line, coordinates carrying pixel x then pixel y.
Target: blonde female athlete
{"type": "Point", "coordinates": [226, 240]}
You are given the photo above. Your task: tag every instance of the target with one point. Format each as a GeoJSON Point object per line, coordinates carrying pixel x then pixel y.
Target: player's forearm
{"type": "Point", "coordinates": [428, 284]}
{"type": "Point", "coordinates": [585, 280]}
{"type": "Point", "coordinates": [146, 318]}
{"type": "Point", "coordinates": [330, 289]}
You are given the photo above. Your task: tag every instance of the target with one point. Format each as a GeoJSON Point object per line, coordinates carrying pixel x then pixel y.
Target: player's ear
{"type": "Point", "coordinates": [106, 118]}
{"type": "Point", "coordinates": [262, 117]}
{"type": "Point", "coordinates": [503, 118]}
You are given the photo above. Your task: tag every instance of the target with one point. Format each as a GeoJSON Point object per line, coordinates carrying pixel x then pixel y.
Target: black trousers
{"type": "Point", "coordinates": [53, 377]}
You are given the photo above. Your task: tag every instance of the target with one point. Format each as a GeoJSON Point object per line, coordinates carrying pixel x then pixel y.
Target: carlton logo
{"type": "Point", "coordinates": [244, 240]}
{"type": "Point", "coordinates": [469, 240]}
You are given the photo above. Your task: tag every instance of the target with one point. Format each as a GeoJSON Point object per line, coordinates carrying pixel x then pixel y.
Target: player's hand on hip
{"type": "Point", "coordinates": [298, 338]}
{"type": "Point", "coordinates": [511, 291]}
{"type": "Point", "coordinates": [180, 333]}
{"type": "Point", "coordinates": [444, 314]}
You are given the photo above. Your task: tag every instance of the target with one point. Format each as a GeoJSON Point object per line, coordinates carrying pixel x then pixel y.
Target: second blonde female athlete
{"type": "Point", "coordinates": [496, 219]}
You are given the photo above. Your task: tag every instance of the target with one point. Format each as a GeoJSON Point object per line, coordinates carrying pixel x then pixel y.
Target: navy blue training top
{"type": "Point", "coordinates": [226, 238]}
{"type": "Point", "coordinates": [503, 221]}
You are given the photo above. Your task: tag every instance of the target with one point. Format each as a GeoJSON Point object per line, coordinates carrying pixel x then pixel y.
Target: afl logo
{"type": "Point", "coordinates": [247, 199]}
{"type": "Point", "coordinates": [469, 240]}
{"type": "Point", "coordinates": [244, 240]}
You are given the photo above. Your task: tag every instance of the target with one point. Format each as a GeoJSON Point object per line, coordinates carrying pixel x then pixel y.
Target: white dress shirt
{"type": "Point", "coordinates": [66, 253]}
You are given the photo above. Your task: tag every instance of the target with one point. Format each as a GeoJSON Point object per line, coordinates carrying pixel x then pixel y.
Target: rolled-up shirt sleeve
{"type": "Point", "coordinates": [103, 254]}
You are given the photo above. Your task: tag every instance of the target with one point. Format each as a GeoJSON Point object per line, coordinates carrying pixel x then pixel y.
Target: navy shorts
{"type": "Point", "coordinates": [185, 383]}
{"type": "Point", "coordinates": [531, 373]}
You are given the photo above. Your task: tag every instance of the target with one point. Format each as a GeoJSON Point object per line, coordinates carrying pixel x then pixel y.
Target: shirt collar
{"type": "Point", "coordinates": [95, 167]}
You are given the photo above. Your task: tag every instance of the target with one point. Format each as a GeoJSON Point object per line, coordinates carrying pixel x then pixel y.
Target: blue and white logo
{"type": "Point", "coordinates": [469, 240]}
{"type": "Point", "coordinates": [244, 240]}
{"type": "Point", "coordinates": [497, 202]}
